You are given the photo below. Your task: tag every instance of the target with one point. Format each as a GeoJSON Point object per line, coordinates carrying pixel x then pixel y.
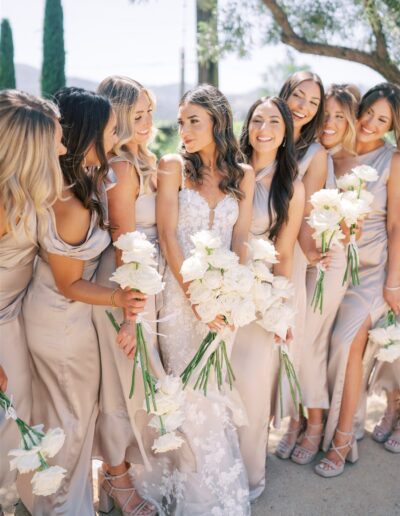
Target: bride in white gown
{"type": "Point", "coordinates": [203, 188]}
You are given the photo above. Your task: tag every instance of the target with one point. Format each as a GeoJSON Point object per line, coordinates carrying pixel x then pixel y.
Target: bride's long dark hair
{"type": "Point", "coordinates": [228, 152]}
{"type": "Point", "coordinates": [281, 190]}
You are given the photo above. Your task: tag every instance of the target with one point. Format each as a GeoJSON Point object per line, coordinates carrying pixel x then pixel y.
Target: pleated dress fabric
{"type": "Point", "coordinates": [17, 254]}
{"type": "Point", "coordinates": [121, 422]}
{"type": "Point", "coordinates": [255, 361]}
{"type": "Point", "coordinates": [364, 300]}
{"type": "Point", "coordinates": [318, 328]}
{"type": "Point", "coordinates": [66, 369]}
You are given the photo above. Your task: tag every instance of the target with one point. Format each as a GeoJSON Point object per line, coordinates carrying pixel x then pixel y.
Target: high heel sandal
{"type": "Point", "coordinates": [384, 428]}
{"type": "Point", "coordinates": [285, 447]}
{"type": "Point", "coordinates": [393, 442]}
{"type": "Point", "coordinates": [333, 469]}
{"type": "Point", "coordinates": [108, 497]}
{"type": "Point", "coordinates": [302, 455]}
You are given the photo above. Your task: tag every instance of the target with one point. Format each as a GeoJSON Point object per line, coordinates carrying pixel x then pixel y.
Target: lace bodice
{"type": "Point", "coordinates": [196, 215]}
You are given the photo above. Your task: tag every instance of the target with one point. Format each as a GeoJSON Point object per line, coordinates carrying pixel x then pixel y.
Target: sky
{"type": "Point", "coordinates": [143, 41]}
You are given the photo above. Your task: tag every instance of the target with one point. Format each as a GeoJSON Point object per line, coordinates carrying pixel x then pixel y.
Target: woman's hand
{"type": "Point", "coordinates": [288, 339]}
{"type": "Point", "coordinates": [346, 231]}
{"type": "Point", "coordinates": [315, 257]}
{"type": "Point", "coordinates": [132, 300]}
{"type": "Point", "coordinates": [392, 298]}
{"type": "Point", "coordinates": [217, 324]}
{"type": "Point", "coordinates": [126, 338]}
{"type": "Point", "coordinates": [3, 380]}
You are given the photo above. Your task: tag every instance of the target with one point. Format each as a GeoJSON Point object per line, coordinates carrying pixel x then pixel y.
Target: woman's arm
{"type": "Point", "coordinates": [313, 180]}
{"type": "Point", "coordinates": [392, 297]}
{"type": "Point", "coordinates": [241, 229]}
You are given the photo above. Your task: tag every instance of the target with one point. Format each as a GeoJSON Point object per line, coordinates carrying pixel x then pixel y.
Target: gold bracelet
{"type": "Point", "coordinates": [113, 297]}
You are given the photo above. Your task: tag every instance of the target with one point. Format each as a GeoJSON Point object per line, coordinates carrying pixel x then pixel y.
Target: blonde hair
{"type": "Point", "coordinates": [30, 173]}
{"type": "Point", "coordinates": [123, 93]}
{"type": "Point", "coordinates": [348, 97]}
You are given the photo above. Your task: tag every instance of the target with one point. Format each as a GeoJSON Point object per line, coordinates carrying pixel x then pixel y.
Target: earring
{"type": "Point", "coordinates": [284, 142]}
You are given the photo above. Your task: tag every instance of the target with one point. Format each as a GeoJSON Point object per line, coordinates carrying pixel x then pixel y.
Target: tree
{"type": "Point", "coordinates": [7, 70]}
{"type": "Point", "coordinates": [277, 73]}
{"type": "Point", "coordinates": [53, 67]}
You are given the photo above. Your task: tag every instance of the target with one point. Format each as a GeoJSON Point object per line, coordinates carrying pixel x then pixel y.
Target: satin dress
{"type": "Point", "coordinates": [122, 421]}
{"type": "Point", "coordinates": [17, 254]}
{"type": "Point", "coordinates": [66, 368]}
{"type": "Point", "coordinates": [364, 300]}
{"type": "Point", "coordinates": [255, 361]}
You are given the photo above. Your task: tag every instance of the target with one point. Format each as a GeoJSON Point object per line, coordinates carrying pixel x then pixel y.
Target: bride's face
{"type": "Point", "coordinates": [195, 127]}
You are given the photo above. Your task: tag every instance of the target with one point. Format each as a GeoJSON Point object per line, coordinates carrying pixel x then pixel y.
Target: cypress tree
{"type": "Point", "coordinates": [53, 67]}
{"type": "Point", "coordinates": [7, 70]}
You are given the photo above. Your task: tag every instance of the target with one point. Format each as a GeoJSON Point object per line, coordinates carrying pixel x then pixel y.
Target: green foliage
{"type": "Point", "coordinates": [53, 68]}
{"type": "Point", "coordinates": [166, 141]}
{"type": "Point", "coordinates": [7, 70]}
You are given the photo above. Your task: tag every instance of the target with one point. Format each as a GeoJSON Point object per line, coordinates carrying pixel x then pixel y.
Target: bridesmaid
{"type": "Point", "coordinates": [57, 308]}
{"type": "Point", "coordinates": [379, 247]}
{"type": "Point", "coordinates": [304, 94]}
{"type": "Point", "coordinates": [30, 181]}
{"type": "Point", "coordinates": [131, 205]}
{"type": "Point", "coordinates": [338, 137]}
{"type": "Point", "coordinates": [278, 205]}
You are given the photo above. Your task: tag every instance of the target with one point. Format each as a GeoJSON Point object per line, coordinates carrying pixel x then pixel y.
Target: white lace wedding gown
{"type": "Point", "coordinates": [208, 476]}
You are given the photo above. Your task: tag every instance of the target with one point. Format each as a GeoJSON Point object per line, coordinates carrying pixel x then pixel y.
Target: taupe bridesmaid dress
{"type": "Point", "coordinates": [121, 422]}
{"type": "Point", "coordinates": [315, 346]}
{"type": "Point", "coordinates": [17, 254]}
{"type": "Point", "coordinates": [255, 361]}
{"type": "Point", "coordinates": [66, 368]}
{"type": "Point", "coordinates": [364, 300]}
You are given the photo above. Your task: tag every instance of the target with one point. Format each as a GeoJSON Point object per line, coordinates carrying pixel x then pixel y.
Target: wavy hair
{"type": "Point", "coordinates": [313, 128]}
{"type": "Point", "coordinates": [123, 93]}
{"type": "Point", "coordinates": [84, 116]}
{"type": "Point", "coordinates": [390, 92]}
{"type": "Point", "coordinates": [281, 190]}
{"type": "Point", "coordinates": [348, 96]}
{"type": "Point", "coordinates": [30, 174]}
{"type": "Point", "coordinates": [228, 152]}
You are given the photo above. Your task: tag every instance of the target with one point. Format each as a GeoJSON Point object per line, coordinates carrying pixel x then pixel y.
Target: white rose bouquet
{"type": "Point", "coordinates": [272, 296]}
{"type": "Point", "coordinates": [387, 335]}
{"type": "Point", "coordinates": [219, 286]}
{"type": "Point", "coordinates": [325, 219]}
{"type": "Point", "coordinates": [36, 447]}
{"type": "Point", "coordinates": [356, 205]}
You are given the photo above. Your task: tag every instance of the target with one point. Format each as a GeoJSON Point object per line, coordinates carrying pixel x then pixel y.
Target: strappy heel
{"type": "Point", "coordinates": [333, 469]}
{"type": "Point", "coordinates": [302, 455]}
{"type": "Point", "coordinates": [285, 447]}
{"type": "Point", "coordinates": [108, 497]}
{"type": "Point", "coordinates": [393, 442]}
{"type": "Point", "coordinates": [384, 428]}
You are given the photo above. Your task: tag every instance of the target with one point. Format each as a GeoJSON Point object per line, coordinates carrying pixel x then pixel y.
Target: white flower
{"type": "Point", "coordinates": [380, 336]}
{"type": "Point", "coordinates": [282, 287]}
{"type": "Point", "coordinates": [261, 271]}
{"type": "Point", "coordinates": [366, 173]}
{"type": "Point", "coordinates": [25, 460]}
{"type": "Point", "coordinates": [226, 302]}
{"type": "Point", "coordinates": [193, 268]}
{"type": "Point", "coordinates": [212, 279]}
{"type": "Point", "coordinates": [324, 220]}
{"type": "Point", "coordinates": [389, 354]}
{"type": "Point", "coordinates": [360, 202]}
{"type": "Point", "coordinates": [52, 442]}
{"type": "Point", "coordinates": [167, 442]}
{"type": "Point", "coordinates": [171, 421]}
{"type": "Point", "coordinates": [262, 295]}
{"type": "Point", "coordinates": [348, 182]}
{"type": "Point", "coordinates": [136, 248]}
{"type": "Point", "coordinates": [208, 311]}
{"type": "Point", "coordinates": [350, 212]}
{"type": "Point", "coordinates": [278, 319]}
{"type": "Point", "coordinates": [165, 404]}
{"type": "Point", "coordinates": [205, 241]}
{"type": "Point", "coordinates": [243, 313]}
{"type": "Point", "coordinates": [199, 293]}
{"type": "Point", "coordinates": [238, 279]}
{"type": "Point", "coordinates": [394, 332]}
{"type": "Point", "coordinates": [47, 481]}
{"type": "Point", "coordinates": [261, 249]}
{"type": "Point", "coordinates": [169, 385]}
{"type": "Point", "coordinates": [326, 199]}
{"type": "Point", "coordinates": [367, 197]}
{"type": "Point", "coordinates": [223, 259]}
{"type": "Point", "coordinates": [144, 278]}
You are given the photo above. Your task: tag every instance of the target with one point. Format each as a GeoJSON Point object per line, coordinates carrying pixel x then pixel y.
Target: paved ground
{"type": "Point", "coordinates": [371, 487]}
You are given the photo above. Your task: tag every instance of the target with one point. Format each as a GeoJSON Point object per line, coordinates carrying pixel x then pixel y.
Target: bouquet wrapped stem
{"type": "Point", "coordinates": [353, 259]}
{"type": "Point", "coordinates": [317, 301]}
{"type": "Point", "coordinates": [286, 365]}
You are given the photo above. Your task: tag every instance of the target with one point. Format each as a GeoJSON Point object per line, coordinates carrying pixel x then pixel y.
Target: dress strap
{"type": "Point", "coordinates": [266, 171]}
{"type": "Point", "coordinates": [141, 183]}
{"type": "Point", "coordinates": [183, 176]}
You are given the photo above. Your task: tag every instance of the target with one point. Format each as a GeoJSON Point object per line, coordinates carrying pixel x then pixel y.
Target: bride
{"type": "Point", "coordinates": [204, 187]}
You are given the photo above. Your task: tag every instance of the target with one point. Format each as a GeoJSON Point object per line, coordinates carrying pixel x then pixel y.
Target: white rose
{"type": "Point", "coordinates": [136, 248]}
{"type": "Point", "coordinates": [243, 313]}
{"type": "Point", "coordinates": [25, 460]}
{"type": "Point", "coordinates": [193, 268]}
{"type": "Point", "coordinates": [326, 199]}
{"type": "Point", "coordinates": [348, 182]}
{"type": "Point", "coordinates": [208, 311]}
{"type": "Point", "coordinates": [380, 336]}
{"type": "Point", "coordinates": [278, 319]}
{"type": "Point", "coordinates": [52, 442]}
{"type": "Point", "coordinates": [367, 197]}
{"type": "Point", "coordinates": [261, 249]}
{"type": "Point", "coordinates": [167, 442]}
{"type": "Point", "coordinates": [324, 220]}
{"type": "Point", "coordinates": [199, 293]}
{"type": "Point", "coordinates": [366, 173]}
{"type": "Point", "coordinates": [205, 241]}
{"type": "Point", "coordinates": [223, 259]}
{"type": "Point", "coordinates": [262, 295]}
{"type": "Point", "coordinates": [350, 212]}
{"type": "Point", "coordinates": [261, 271]}
{"type": "Point", "coordinates": [389, 354]}
{"type": "Point", "coordinates": [169, 385]}
{"type": "Point", "coordinates": [238, 279]}
{"type": "Point", "coordinates": [282, 287]}
{"type": "Point", "coordinates": [226, 302]}
{"type": "Point", "coordinates": [212, 279]}
{"type": "Point", "coordinates": [171, 421]}
{"type": "Point", "coordinates": [47, 481]}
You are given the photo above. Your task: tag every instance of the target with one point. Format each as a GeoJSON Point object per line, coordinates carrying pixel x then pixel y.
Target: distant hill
{"type": "Point", "coordinates": [28, 79]}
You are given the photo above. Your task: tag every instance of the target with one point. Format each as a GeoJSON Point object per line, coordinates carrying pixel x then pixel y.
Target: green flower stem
{"type": "Point", "coordinates": [294, 385]}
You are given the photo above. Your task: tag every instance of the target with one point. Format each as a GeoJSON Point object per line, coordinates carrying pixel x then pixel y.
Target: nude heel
{"type": "Point", "coordinates": [352, 456]}
{"type": "Point", "coordinates": [106, 502]}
